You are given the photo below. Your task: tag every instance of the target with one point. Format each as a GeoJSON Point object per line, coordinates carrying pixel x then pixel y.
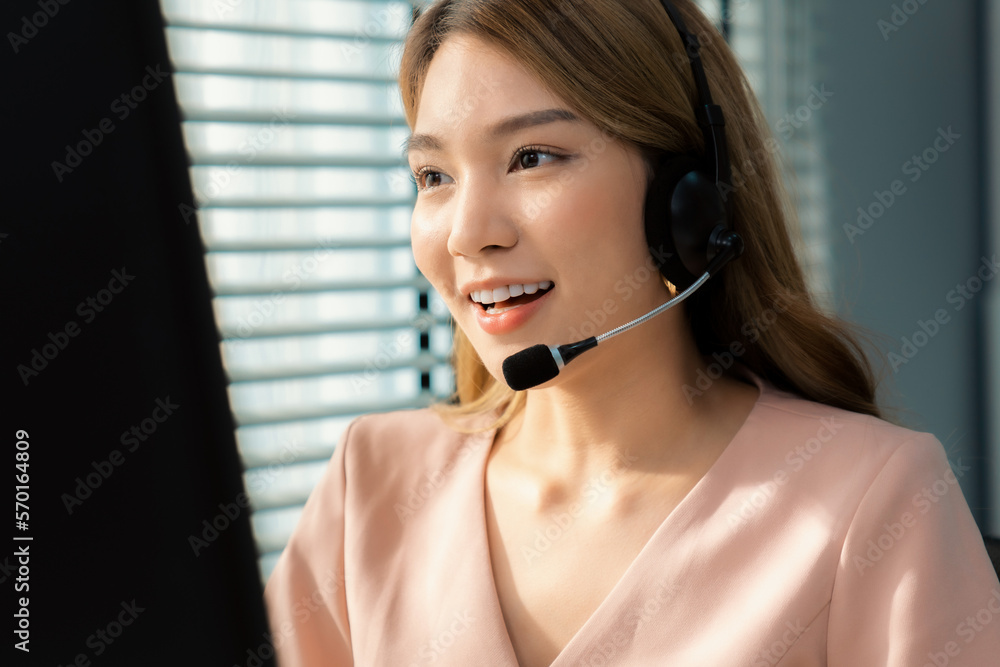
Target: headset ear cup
{"type": "Point", "coordinates": [661, 225]}
{"type": "Point", "coordinates": [697, 213]}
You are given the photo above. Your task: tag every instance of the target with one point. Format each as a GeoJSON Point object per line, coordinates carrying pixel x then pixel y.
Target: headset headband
{"type": "Point", "coordinates": [708, 115]}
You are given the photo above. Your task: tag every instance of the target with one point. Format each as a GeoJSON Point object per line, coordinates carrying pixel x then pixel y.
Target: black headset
{"type": "Point", "coordinates": [686, 217]}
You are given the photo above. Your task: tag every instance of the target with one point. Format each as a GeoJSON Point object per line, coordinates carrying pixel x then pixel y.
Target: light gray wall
{"type": "Point", "coordinates": [893, 95]}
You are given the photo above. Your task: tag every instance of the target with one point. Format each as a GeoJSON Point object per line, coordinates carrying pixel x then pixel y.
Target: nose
{"type": "Point", "coordinates": [480, 223]}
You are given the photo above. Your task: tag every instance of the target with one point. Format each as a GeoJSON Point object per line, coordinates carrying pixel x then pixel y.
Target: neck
{"type": "Point", "coordinates": [620, 405]}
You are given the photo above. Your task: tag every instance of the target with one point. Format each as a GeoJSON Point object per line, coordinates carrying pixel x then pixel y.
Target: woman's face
{"type": "Point", "coordinates": [528, 218]}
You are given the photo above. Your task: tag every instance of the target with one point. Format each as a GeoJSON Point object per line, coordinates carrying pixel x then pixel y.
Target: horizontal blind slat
{"type": "Point", "coordinates": [261, 417]}
{"type": "Point", "coordinates": [303, 245]}
{"type": "Point", "coordinates": [292, 75]}
{"type": "Point", "coordinates": [284, 31]}
{"type": "Point", "coordinates": [195, 115]}
{"type": "Point", "coordinates": [360, 202]}
{"type": "Point", "coordinates": [265, 289]}
{"type": "Point", "coordinates": [420, 362]}
{"type": "Point", "coordinates": [297, 160]}
{"type": "Point", "coordinates": [302, 330]}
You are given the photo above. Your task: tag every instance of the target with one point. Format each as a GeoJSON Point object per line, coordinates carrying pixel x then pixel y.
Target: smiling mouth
{"type": "Point", "coordinates": [505, 298]}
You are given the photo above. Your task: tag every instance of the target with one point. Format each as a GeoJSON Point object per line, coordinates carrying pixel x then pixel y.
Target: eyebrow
{"type": "Point", "coordinates": [507, 126]}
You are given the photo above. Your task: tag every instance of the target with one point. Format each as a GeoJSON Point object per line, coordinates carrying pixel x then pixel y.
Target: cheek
{"type": "Point", "coordinates": [597, 220]}
{"type": "Point", "coordinates": [429, 242]}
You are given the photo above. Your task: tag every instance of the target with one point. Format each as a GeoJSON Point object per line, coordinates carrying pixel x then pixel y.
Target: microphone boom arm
{"type": "Point", "coordinates": [540, 363]}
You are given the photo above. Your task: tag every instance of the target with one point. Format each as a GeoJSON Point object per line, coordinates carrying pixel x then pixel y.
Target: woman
{"type": "Point", "coordinates": [714, 487]}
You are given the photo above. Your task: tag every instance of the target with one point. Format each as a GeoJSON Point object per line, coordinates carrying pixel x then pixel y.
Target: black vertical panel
{"type": "Point", "coordinates": [423, 305]}
{"type": "Point", "coordinates": [980, 343]}
{"type": "Point", "coordinates": [111, 362]}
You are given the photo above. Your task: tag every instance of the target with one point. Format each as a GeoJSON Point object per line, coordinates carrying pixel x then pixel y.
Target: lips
{"type": "Point", "coordinates": [501, 307]}
{"type": "Point", "coordinates": [505, 297]}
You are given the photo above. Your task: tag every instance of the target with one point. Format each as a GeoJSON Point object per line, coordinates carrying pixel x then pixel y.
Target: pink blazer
{"type": "Point", "coordinates": [819, 537]}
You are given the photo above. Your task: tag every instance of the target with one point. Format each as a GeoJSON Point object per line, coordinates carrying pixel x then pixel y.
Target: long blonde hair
{"type": "Point", "coordinates": [621, 64]}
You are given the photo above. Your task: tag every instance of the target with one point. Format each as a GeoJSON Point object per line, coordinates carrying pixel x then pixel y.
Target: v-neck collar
{"type": "Point", "coordinates": [668, 537]}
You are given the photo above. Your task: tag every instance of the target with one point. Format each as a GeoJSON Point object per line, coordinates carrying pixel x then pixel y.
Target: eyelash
{"type": "Point", "coordinates": [524, 150]}
{"type": "Point", "coordinates": [418, 175]}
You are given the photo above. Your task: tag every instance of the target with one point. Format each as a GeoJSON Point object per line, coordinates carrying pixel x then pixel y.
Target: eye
{"type": "Point", "coordinates": [427, 178]}
{"type": "Point", "coordinates": [530, 157]}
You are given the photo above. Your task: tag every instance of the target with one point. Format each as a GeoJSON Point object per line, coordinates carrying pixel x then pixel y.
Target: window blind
{"type": "Point", "coordinates": [775, 42]}
{"type": "Point", "coordinates": [294, 129]}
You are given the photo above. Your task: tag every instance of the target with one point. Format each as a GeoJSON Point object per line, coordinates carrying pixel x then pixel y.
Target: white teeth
{"type": "Point", "coordinates": [501, 294]}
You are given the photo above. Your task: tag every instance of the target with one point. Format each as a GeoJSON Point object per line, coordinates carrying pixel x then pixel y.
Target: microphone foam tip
{"type": "Point", "coordinates": [529, 368]}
